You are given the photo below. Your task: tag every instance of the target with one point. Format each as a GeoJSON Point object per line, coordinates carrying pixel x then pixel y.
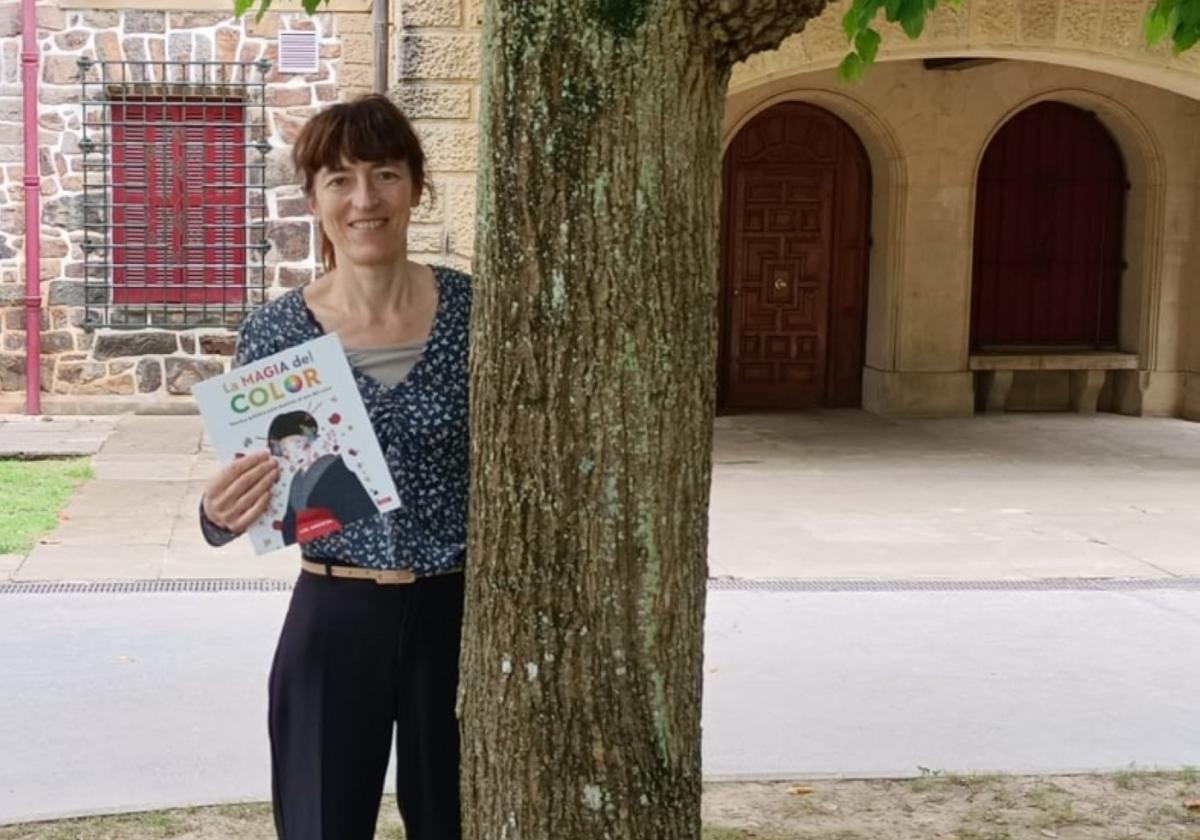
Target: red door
{"type": "Point", "coordinates": [794, 259]}
{"type": "Point", "coordinates": [1049, 229]}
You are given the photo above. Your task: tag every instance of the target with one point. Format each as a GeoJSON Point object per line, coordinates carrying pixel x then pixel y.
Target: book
{"type": "Point", "coordinates": [304, 407]}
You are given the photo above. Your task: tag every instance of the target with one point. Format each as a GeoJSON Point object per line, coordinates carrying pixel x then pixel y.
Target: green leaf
{"type": "Point", "coordinates": [867, 45]}
{"type": "Point", "coordinates": [1185, 39]}
{"type": "Point", "coordinates": [891, 9]}
{"type": "Point", "coordinates": [912, 18]}
{"type": "Point", "coordinates": [851, 68]}
{"type": "Point", "coordinates": [240, 7]}
{"type": "Point", "coordinates": [311, 6]}
{"type": "Point", "coordinates": [1158, 24]}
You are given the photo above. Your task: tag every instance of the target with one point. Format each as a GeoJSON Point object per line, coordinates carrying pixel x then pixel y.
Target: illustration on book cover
{"type": "Point", "coordinates": [304, 407]}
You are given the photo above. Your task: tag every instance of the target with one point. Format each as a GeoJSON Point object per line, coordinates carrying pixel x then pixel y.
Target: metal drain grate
{"type": "Point", "coordinates": [731, 584]}
{"type": "Point", "coordinates": [124, 587]}
{"type": "Point", "coordinates": [721, 584]}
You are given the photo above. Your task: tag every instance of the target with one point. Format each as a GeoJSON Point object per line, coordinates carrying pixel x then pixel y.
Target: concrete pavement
{"type": "Point", "coordinates": [838, 494]}
{"type": "Point", "coordinates": [130, 701]}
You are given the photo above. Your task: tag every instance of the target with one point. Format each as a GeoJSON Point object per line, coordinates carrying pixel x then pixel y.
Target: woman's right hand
{"type": "Point", "coordinates": [240, 492]}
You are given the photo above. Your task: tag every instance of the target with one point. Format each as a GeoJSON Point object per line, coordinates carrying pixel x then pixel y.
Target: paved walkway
{"type": "Point", "coordinates": [817, 496]}
{"type": "Point", "coordinates": [127, 701]}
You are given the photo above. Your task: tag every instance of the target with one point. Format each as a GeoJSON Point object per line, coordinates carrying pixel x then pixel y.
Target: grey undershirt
{"type": "Point", "coordinates": [389, 365]}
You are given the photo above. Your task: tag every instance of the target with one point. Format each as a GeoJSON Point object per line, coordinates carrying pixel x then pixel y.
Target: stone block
{"type": "Point", "coordinates": [95, 19]}
{"type": "Point", "coordinates": [145, 21]}
{"type": "Point", "coordinates": [290, 277]}
{"type": "Point", "coordinates": [280, 171]}
{"type": "Point", "coordinates": [218, 345]}
{"type": "Point", "coordinates": [357, 47]}
{"type": "Point", "coordinates": [179, 46]}
{"type": "Point", "coordinates": [51, 121]}
{"type": "Point", "coordinates": [474, 15]}
{"type": "Point", "coordinates": [187, 342]}
{"type": "Point", "coordinates": [14, 319]}
{"type": "Point", "coordinates": [51, 18]}
{"type": "Point", "coordinates": [434, 101]}
{"type": "Point", "coordinates": [80, 373]}
{"type": "Point", "coordinates": [182, 372]}
{"type": "Point", "coordinates": [12, 371]}
{"type": "Point", "coordinates": [11, 294]}
{"type": "Point", "coordinates": [268, 27]}
{"type": "Point", "coordinates": [443, 13]}
{"type": "Point", "coordinates": [288, 96]}
{"type": "Point", "coordinates": [65, 212]}
{"type": "Point", "coordinates": [148, 343]}
{"type": "Point", "coordinates": [73, 41]}
{"type": "Point", "coordinates": [60, 70]}
{"type": "Point", "coordinates": [10, 19]}
{"type": "Point", "coordinates": [197, 20]}
{"type": "Point", "coordinates": [292, 240]}
{"type": "Point", "coordinates": [430, 208]}
{"type": "Point", "coordinates": [460, 217]}
{"type": "Point", "coordinates": [293, 207]}
{"type": "Point", "coordinates": [1122, 26]}
{"type": "Point", "coordinates": [451, 148]}
{"type": "Point", "coordinates": [57, 341]}
{"type": "Point", "coordinates": [353, 75]}
{"type": "Point", "coordinates": [149, 375]}
{"type": "Point", "coordinates": [202, 49]}
{"type": "Point", "coordinates": [436, 56]}
{"type": "Point", "coordinates": [108, 47]}
{"type": "Point", "coordinates": [228, 42]}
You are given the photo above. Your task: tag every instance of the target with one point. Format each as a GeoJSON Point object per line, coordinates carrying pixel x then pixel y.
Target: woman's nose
{"type": "Point", "coordinates": [364, 193]}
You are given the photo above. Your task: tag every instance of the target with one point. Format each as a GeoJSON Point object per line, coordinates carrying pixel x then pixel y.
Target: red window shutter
{"type": "Point", "coordinates": [178, 203]}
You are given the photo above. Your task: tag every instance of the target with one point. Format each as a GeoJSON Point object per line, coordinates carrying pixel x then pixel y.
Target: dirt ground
{"type": "Point", "coordinates": [1133, 805]}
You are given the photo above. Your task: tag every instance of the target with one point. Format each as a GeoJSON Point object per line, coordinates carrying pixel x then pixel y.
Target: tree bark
{"type": "Point", "coordinates": [592, 395]}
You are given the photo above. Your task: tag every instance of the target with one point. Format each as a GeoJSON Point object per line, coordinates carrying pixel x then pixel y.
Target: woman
{"type": "Point", "coordinates": [371, 637]}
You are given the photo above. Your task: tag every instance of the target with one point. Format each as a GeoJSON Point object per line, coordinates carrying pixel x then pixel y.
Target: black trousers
{"type": "Point", "coordinates": [354, 659]}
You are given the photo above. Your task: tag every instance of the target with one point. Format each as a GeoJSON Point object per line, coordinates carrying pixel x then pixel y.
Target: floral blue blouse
{"type": "Point", "coordinates": [421, 424]}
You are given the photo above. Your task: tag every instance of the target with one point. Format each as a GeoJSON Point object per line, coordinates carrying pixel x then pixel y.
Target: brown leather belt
{"type": "Point", "coordinates": [384, 577]}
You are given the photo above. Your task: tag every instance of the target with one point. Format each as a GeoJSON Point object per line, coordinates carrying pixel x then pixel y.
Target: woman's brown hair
{"type": "Point", "coordinates": [370, 128]}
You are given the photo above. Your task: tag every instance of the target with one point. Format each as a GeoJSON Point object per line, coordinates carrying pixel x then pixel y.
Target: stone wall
{"type": "Point", "coordinates": [1101, 35]}
{"type": "Point", "coordinates": [437, 84]}
{"type": "Point", "coordinates": [155, 363]}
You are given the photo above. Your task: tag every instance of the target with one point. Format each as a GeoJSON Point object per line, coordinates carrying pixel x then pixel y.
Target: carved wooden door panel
{"type": "Point", "coordinates": [780, 306]}
{"type": "Point", "coordinates": [794, 262]}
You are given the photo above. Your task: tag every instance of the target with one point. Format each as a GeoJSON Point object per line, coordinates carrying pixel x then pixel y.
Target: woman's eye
{"type": "Point", "coordinates": [386, 175]}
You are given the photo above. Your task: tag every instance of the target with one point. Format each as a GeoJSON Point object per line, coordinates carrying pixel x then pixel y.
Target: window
{"type": "Point", "coordinates": [174, 195]}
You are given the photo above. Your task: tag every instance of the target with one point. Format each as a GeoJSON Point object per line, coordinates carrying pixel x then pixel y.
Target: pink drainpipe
{"type": "Point", "coordinates": [33, 213]}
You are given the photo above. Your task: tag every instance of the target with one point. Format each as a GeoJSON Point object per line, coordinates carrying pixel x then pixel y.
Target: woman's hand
{"type": "Point", "coordinates": [240, 492]}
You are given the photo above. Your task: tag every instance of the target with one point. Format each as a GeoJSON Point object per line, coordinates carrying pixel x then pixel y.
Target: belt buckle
{"type": "Point", "coordinates": [386, 577]}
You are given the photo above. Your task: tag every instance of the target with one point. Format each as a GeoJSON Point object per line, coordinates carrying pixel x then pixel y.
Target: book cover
{"type": "Point", "coordinates": [304, 407]}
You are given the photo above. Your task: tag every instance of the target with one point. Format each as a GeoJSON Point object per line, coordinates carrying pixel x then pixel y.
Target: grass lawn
{"type": "Point", "coordinates": [1133, 805]}
{"type": "Point", "coordinates": [31, 495]}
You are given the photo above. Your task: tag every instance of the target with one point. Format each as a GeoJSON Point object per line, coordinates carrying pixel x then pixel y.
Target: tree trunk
{"type": "Point", "coordinates": [592, 395]}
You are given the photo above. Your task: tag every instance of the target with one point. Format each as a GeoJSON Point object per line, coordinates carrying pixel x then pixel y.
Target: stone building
{"type": "Point", "coordinates": [1005, 214]}
{"type": "Point", "coordinates": [169, 206]}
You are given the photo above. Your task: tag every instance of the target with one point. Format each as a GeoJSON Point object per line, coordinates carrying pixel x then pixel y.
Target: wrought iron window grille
{"type": "Point", "coordinates": [174, 192]}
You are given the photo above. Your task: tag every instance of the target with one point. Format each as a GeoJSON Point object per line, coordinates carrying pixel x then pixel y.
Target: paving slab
{"type": "Point", "coordinates": [44, 437]}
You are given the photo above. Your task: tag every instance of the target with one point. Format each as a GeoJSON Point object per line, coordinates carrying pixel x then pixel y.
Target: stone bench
{"type": "Point", "coordinates": [1089, 370]}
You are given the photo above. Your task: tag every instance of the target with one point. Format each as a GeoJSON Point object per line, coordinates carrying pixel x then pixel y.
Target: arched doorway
{"type": "Point", "coordinates": [795, 233]}
{"type": "Point", "coordinates": [1049, 234]}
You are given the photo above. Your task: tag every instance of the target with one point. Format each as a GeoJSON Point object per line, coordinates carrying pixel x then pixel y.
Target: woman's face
{"type": "Point", "coordinates": [364, 208]}
{"type": "Point", "coordinates": [296, 451]}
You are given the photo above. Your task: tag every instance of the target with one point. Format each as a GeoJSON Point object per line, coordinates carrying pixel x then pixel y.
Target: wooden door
{"type": "Point", "coordinates": [794, 258]}
{"type": "Point", "coordinates": [1049, 233]}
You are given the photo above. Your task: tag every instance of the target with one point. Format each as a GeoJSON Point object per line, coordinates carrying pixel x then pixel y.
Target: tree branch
{"type": "Point", "coordinates": [741, 28]}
